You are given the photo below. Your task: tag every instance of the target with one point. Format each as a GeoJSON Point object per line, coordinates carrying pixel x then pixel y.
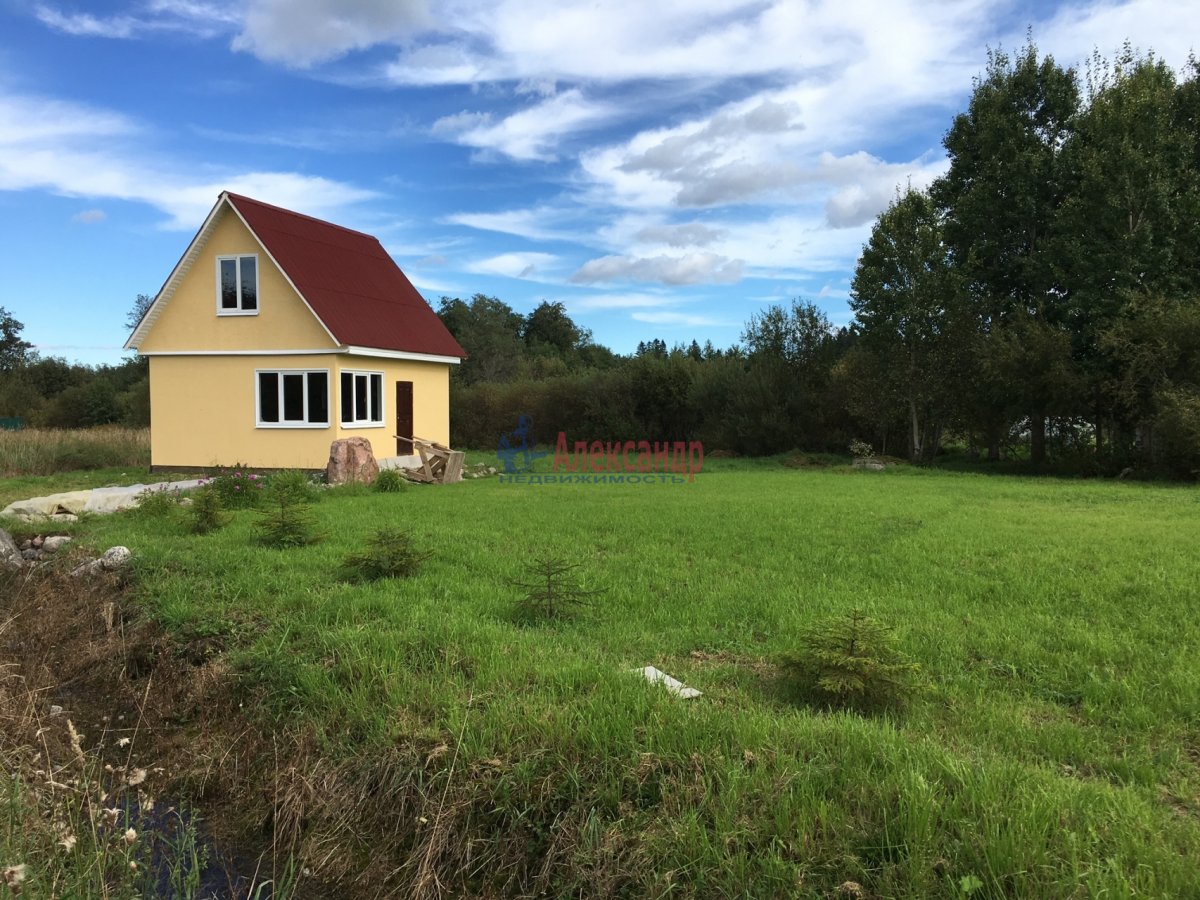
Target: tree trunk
{"type": "Point", "coordinates": [1037, 439]}
{"type": "Point", "coordinates": [916, 430]}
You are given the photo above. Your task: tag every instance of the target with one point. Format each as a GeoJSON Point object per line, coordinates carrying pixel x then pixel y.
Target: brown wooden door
{"type": "Point", "coordinates": [404, 418]}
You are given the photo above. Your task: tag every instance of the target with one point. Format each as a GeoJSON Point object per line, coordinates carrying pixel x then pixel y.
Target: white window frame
{"type": "Point", "coordinates": [237, 258]}
{"type": "Point", "coordinates": [259, 423]}
{"type": "Point", "coordinates": [363, 423]}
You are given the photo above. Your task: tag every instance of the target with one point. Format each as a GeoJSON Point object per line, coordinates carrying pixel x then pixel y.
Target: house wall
{"type": "Point", "coordinates": [431, 401]}
{"type": "Point", "coordinates": [203, 410]}
{"type": "Point", "coordinates": [190, 321]}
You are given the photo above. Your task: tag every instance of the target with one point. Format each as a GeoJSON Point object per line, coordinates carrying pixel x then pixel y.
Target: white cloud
{"type": "Point", "coordinates": [515, 265]}
{"type": "Point", "coordinates": [676, 318]}
{"type": "Point", "coordinates": [197, 18]}
{"type": "Point", "coordinates": [689, 234]}
{"type": "Point", "coordinates": [80, 151]}
{"type": "Point", "coordinates": [89, 216]}
{"type": "Point", "coordinates": [593, 302]}
{"type": "Point", "coordinates": [693, 268]}
{"type": "Point", "coordinates": [302, 33]}
{"type": "Point", "coordinates": [529, 134]}
{"type": "Point", "coordinates": [538, 224]}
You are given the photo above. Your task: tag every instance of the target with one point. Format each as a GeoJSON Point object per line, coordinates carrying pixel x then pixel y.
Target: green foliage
{"type": "Point", "coordinates": [238, 487]}
{"type": "Point", "coordinates": [851, 661]}
{"type": "Point", "coordinates": [390, 481]}
{"type": "Point", "coordinates": [207, 510]}
{"type": "Point", "coordinates": [389, 553]}
{"type": "Point", "coordinates": [551, 590]}
{"type": "Point", "coordinates": [287, 521]}
{"type": "Point", "coordinates": [295, 484]}
{"type": "Point", "coordinates": [157, 502]}
{"type": "Point", "coordinates": [13, 350]}
{"type": "Point", "coordinates": [861, 449]}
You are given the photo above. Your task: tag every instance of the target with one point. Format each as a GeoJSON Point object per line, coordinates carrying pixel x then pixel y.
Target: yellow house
{"type": "Point", "coordinates": [277, 333]}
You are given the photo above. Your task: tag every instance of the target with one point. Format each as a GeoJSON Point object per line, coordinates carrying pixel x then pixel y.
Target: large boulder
{"type": "Point", "coordinates": [351, 459]}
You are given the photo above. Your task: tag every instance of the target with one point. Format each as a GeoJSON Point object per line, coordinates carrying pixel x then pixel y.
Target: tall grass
{"type": "Point", "coordinates": [46, 451]}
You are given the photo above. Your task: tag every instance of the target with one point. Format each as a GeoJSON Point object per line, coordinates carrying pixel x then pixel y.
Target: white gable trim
{"type": "Point", "coordinates": [402, 354]}
{"type": "Point", "coordinates": [154, 310]}
{"type": "Point", "coordinates": [167, 291]}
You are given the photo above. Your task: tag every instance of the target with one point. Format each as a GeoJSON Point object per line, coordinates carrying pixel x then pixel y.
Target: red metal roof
{"type": "Point", "coordinates": [349, 280]}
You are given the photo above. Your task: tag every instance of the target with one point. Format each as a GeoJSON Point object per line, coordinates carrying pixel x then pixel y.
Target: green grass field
{"type": "Point", "coordinates": [1054, 751]}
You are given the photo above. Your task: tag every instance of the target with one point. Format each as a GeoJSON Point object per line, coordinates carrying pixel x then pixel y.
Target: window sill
{"type": "Point", "coordinates": [289, 425]}
{"type": "Point", "coordinates": [237, 312]}
{"type": "Point", "coordinates": [355, 425]}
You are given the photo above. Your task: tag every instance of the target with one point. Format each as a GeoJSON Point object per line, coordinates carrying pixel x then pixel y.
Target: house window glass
{"type": "Point", "coordinates": [268, 396]}
{"type": "Point", "coordinates": [237, 285]}
{"type": "Point", "coordinates": [295, 398]}
{"type": "Point", "coordinates": [362, 398]}
{"type": "Point", "coordinates": [229, 284]}
{"type": "Point", "coordinates": [249, 282]}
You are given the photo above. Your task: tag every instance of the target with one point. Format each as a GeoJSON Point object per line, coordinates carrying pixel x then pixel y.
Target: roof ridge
{"type": "Point", "coordinates": [291, 212]}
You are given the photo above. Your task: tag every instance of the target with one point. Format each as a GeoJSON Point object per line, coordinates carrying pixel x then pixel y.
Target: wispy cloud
{"type": "Point", "coordinates": [89, 216]}
{"type": "Point", "coordinates": [82, 151]}
{"type": "Point", "coordinates": [529, 134]}
{"type": "Point", "coordinates": [692, 268]}
{"type": "Point", "coordinates": [196, 18]}
{"type": "Point", "coordinates": [529, 266]}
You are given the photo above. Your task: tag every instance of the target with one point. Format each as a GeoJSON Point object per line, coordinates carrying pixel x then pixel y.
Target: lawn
{"type": "Point", "coordinates": [1053, 751]}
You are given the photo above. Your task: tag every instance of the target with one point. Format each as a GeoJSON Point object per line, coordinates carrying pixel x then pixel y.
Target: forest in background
{"type": "Point", "coordinates": [1040, 301]}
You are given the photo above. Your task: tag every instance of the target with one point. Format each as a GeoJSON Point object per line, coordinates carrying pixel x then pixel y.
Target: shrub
{"type": "Point", "coordinates": [389, 554]}
{"type": "Point", "coordinates": [861, 449]}
{"type": "Point", "coordinates": [390, 481]}
{"type": "Point", "coordinates": [208, 514]}
{"type": "Point", "coordinates": [287, 522]}
{"type": "Point", "coordinates": [551, 590]}
{"type": "Point", "coordinates": [296, 484]}
{"type": "Point", "coordinates": [851, 661]}
{"type": "Point", "coordinates": [157, 503]}
{"type": "Point", "coordinates": [238, 487]}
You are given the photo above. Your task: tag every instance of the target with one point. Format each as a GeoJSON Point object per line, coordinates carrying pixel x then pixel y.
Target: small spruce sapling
{"type": "Point", "coordinates": [389, 553]}
{"type": "Point", "coordinates": [851, 661]}
{"type": "Point", "coordinates": [208, 514]}
{"type": "Point", "coordinates": [551, 590]}
{"type": "Point", "coordinates": [287, 521]}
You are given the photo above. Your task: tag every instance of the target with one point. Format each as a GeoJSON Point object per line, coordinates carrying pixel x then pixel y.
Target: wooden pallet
{"type": "Point", "coordinates": [439, 464]}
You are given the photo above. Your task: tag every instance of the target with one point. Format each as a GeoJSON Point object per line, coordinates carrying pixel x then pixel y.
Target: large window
{"type": "Point", "coordinates": [293, 398]}
{"type": "Point", "coordinates": [362, 398]}
{"type": "Point", "coordinates": [237, 285]}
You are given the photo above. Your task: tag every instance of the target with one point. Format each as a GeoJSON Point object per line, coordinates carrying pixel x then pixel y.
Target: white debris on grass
{"type": "Point", "coordinates": [676, 687]}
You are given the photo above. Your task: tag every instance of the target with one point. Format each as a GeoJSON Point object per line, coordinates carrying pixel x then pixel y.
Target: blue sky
{"type": "Point", "coordinates": [665, 169]}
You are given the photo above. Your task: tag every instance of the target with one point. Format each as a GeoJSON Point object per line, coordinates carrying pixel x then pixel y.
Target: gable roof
{"type": "Point", "coordinates": [354, 288]}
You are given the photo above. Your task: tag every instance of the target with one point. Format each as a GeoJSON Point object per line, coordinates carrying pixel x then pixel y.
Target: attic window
{"type": "Point", "coordinates": [237, 285]}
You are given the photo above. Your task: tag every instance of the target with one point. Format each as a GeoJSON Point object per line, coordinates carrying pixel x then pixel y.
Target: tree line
{"type": "Point", "coordinates": [1041, 300]}
{"type": "Point", "coordinates": [50, 392]}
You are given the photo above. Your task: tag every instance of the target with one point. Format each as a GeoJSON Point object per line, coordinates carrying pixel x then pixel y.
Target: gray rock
{"type": "Point", "coordinates": [871, 465]}
{"type": "Point", "coordinates": [26, 544]}
{"type": "Point", "coordinates": [64, 517]}
{"type": "Point", "coordinates": [114, 558]}
{"type": "Point", "coordinates": [31, 554]}
{"type": "Point", "coordinates": [55, 542]}
{"type": "Point", "coordinates": [10, 556]}
{"type": "Point", "coordinates": [55, 710]}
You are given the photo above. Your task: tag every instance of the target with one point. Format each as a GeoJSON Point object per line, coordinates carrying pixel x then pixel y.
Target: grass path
{"type": "Point", "coordinates": [1053, 753]}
